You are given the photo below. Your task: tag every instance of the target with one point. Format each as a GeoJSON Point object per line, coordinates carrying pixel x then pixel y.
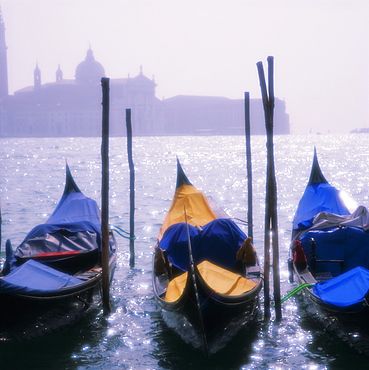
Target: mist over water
{"type": "Point", "coordinates": [134, 336]}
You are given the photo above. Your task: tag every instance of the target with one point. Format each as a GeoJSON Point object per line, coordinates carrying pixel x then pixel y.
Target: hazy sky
{"type": "Point", "coordinates": [207, 47]}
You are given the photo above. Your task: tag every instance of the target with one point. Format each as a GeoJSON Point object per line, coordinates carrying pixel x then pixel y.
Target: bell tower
{"type": "Point", "coordinates": [3, 60]}
{"type": "Point", "coordinates": [37, 77]}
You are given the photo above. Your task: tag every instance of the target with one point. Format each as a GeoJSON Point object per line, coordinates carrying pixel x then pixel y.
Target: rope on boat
{"type": "Point", "coordinates": [294, 291]}
{"type": "Point", "coordinates": [120, 231]}
{"type": "Point", "coordinates": [240, 220]}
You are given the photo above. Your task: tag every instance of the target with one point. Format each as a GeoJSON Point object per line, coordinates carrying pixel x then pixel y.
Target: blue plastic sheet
{"type": "Point", "coordinates": [218, 242]}
{"type": "Point", "coordinates": [175, 243]}
{"type": "Point", "coordinates": [33, 278]}
{"type": "Point", "coordinates": [74, 226]}
{"type": "Point", "coordinates": [319, 197]}
{"type": "Point", "coordinates": [75, 213]}
{"type": "Point", "coordinates": [75, 207]}
{"type": "Point", "coordinates": [345, 291]}
{"type": "Point", "coordinates": [349, 244]}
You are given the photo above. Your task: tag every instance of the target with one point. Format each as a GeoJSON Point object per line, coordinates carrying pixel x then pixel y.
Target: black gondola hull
{"type": "Point", "coordinates": [28, 316]}
{"type": "Point", "coordinates": [351, 328]}
{"type": "Point", "coordinates": [328, 248]}
{"type": "Point", "coordinates": [54, 276]}
{"type": "Point", "coordinates": [222, 316]}
{"type": "Point", "coordinates": [199, 239]}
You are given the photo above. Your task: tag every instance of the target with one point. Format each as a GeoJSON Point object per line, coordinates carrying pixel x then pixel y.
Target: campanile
{"type": "Point", "coordinates": [3, 60]}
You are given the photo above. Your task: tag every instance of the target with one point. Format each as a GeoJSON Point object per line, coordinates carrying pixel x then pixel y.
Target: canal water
{"type": "Point", "coordinates": [134, 336]}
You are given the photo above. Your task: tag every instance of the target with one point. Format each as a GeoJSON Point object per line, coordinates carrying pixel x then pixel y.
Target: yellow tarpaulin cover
{"type": "Point", "coordinates": [224, 281]}
{"type": "Point", "coordinates": [198, 209]}
{"type": "Point", "coordinates": [176, 287]}
{"type": "Point", "coordinates": [220, 280]}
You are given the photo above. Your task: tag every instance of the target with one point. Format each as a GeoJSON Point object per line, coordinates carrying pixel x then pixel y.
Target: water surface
{"type": "Point", "coordinates": [134, 336]}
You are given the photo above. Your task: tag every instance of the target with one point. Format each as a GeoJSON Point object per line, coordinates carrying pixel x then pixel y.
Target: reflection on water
{"type": "Point", "coordinates": [134, 336]}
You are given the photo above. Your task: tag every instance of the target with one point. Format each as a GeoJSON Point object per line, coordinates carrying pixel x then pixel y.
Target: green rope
{"type": "Point", "coordinates": [120, 231]}
{"type": "Point", "coordinates": [296, 290]}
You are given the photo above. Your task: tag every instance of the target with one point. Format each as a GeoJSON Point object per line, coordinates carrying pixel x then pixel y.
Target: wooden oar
{"type": "Point", "coordinates": [193, 276]}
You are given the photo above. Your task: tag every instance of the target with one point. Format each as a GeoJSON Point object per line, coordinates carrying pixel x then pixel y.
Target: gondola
{"type": "Point", "coordinates": [206, 275]}
{"type": "Point", "coordinates": [329, 255]}
{"type": "Point", "coordinates": [55, 274]}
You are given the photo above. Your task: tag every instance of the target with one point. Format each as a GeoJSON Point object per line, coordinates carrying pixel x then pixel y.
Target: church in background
{"type": "Point", "coordinates": [72, 107]}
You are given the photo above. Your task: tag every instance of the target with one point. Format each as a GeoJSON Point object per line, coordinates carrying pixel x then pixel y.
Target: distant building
{"type": "Point", "coordinates": [72, 107]}
{"type": "Point", "coordinates": [208, 115]}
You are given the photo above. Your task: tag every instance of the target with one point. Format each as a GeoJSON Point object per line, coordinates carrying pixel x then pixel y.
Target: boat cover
{"type": "Point", "coordinates": [73, 226]}
{"type": "Point", "coordinates": [60, 238]}
{"type": "Point", "coordinates": [318, 197]}
{"type": "Point", "coordinates": [33, 278]}
{"type": "Point", "coordinates": [348, 244]}
{"type": "Point", "coordinates": [197, 208]}
{"type": "Point", "coordinates": [345, 291]}
{"type": "Point", "coordinates": [218, 242]}
{"type": "Point", "coordinates": [175, 243]}
{"type": "Point", "coordinates": [223, 281]}
{"type": "Point", "coordinates": [75, 207]}
{"type": "Point", "coordinates": [325, 220]}
{"type": "Point", "coordinates": [176, 287]}
{"type": "Point", "coordinates": [220, 280]}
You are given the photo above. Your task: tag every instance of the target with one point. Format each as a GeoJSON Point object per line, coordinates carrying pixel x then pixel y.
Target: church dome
{"type": "Point", "coordinates": [89, 71]}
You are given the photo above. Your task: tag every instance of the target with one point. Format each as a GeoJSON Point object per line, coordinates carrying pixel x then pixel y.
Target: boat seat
{"type": "Point", "coordinates": [327, 261]}
{"type": "Point", "coordinates": [87, 275]}
{"type": "Point", "coordinates": [338, 249]}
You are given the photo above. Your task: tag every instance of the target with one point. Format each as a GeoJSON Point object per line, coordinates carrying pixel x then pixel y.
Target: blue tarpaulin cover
{"type": "Point", "coordinates": [175, 243]}
{"type": "Point", "coordinates": [346, 290]}
{"type": "Point", "coordinates": [319, 197]}
{"type": "Point", "coordinates": [75, 213]}
{"type": "Point", "coordinates": [34, 278]}
{"type": "Point", "coordinates": [74, 226]}
{"type": "Point", "coordinates": [349, 244]}
{"type": "Point", "coordinates": [75, 207]}
{"type": "Point", "coordinates": [218, 242]}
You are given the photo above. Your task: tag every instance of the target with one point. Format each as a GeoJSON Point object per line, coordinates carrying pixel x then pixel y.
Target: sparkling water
{"type": "Point", "coordinates": [134, 336]}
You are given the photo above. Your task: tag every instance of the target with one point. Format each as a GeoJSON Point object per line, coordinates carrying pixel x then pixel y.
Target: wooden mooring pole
{"type": "Point", "coordinates": [273, 185]}
{"type": "Point", "coordinates": [271, 221]}
{"type": "Point", "coordinates": [1, 224]}
{"type": "Point", "coordinates": [131, 190]}
{"type": "Point", "coordinates": [105, 196]}
{"type": "Point", "coordinates": [248, 165]}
